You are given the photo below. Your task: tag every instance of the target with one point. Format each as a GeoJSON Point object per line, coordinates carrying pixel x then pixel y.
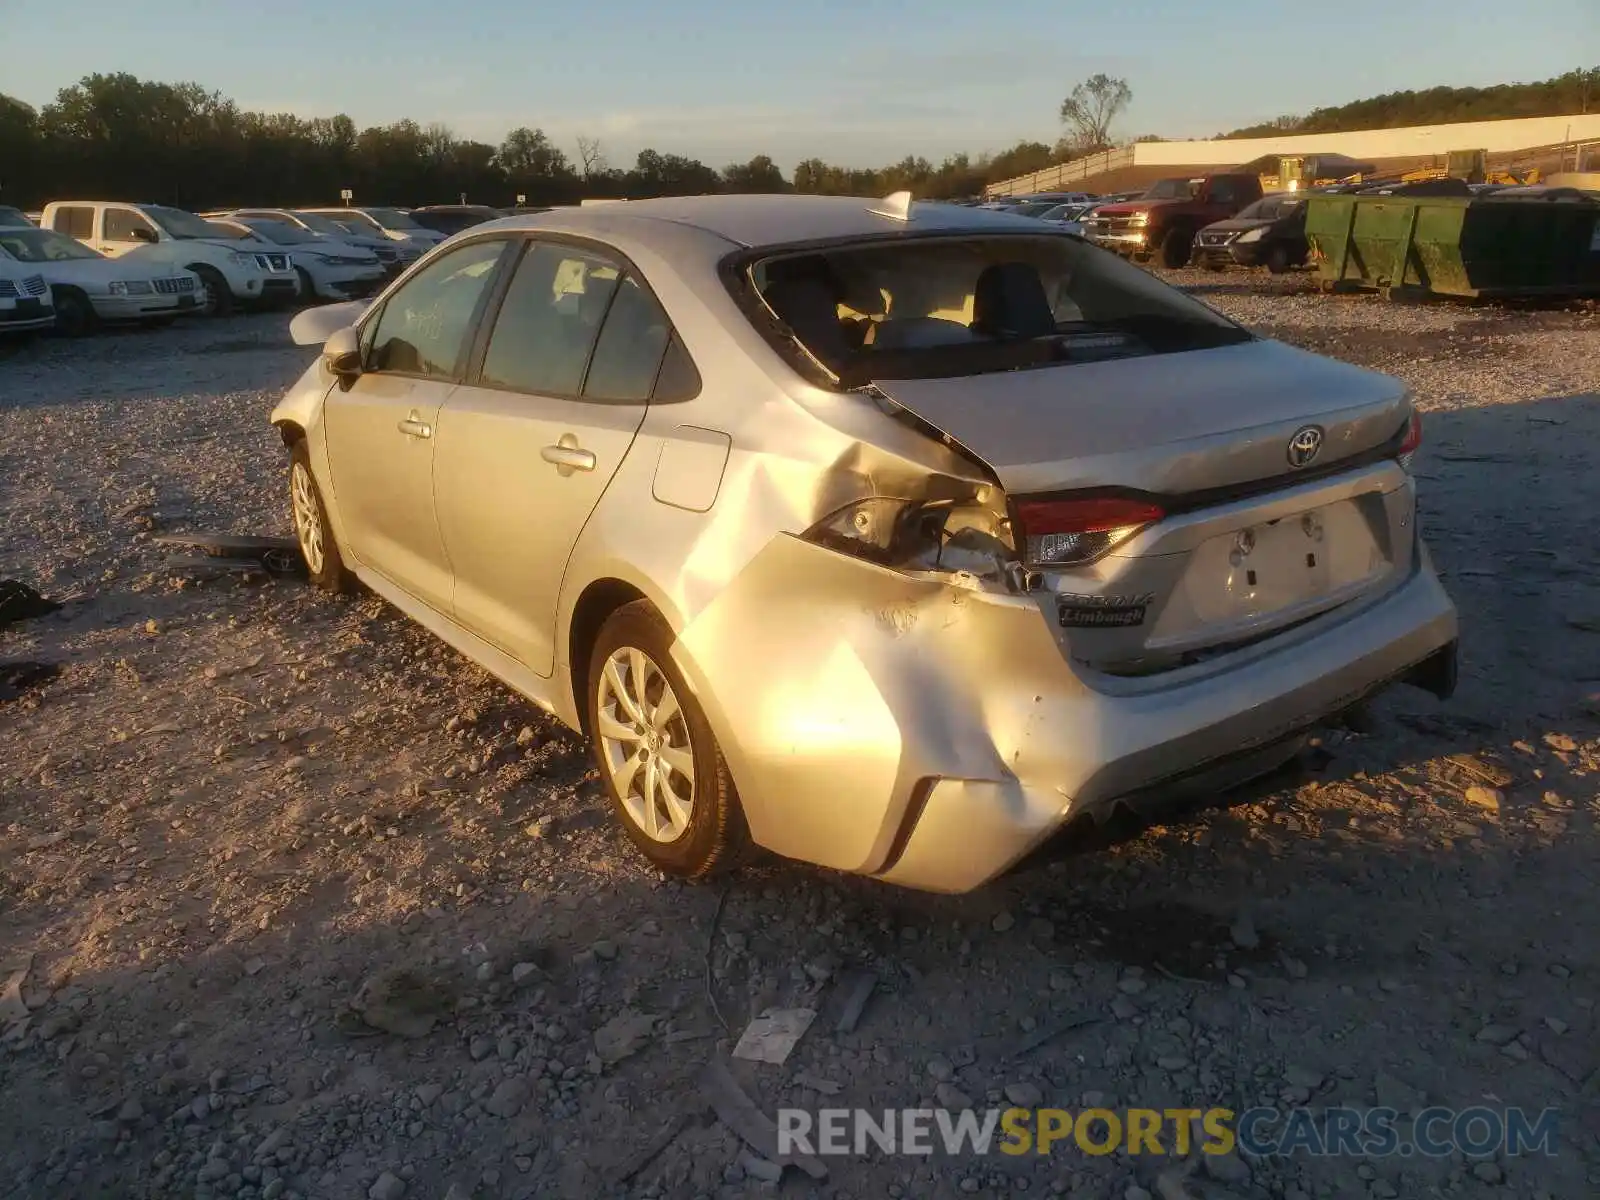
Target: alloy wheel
{"type": "Point", "coordinates": [307, 515]}
{"type": "Point", "coordinates": [645, 744]}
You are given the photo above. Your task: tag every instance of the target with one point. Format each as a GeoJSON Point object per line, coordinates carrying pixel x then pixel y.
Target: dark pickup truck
{"type": "Point", "coordinates": [1162, 222]}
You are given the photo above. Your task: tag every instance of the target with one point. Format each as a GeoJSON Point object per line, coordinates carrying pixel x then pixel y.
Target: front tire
{"type": "Point", "coordinates": [75, 316]}
{"type": "Point", "coordinates": [308, 287]}
{"type": "Point", "coordinates": [1278, 259]}
{"type": "Point", "coordinates": [324, 564]}
{"type": "Point", "coordinates": [661, 765]}
{"type": "Point", "coordinates": [219, 297]}
{"type": "Point", "coordinates": [1175, 248]}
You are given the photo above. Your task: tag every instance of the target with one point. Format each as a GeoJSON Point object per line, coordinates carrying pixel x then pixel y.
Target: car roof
{"type": "Point", "coordinates": [767, 220]}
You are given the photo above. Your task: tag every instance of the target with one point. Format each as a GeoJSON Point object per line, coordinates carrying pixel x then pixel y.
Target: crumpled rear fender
{"type": "Point", "coordinates": [835, 686]}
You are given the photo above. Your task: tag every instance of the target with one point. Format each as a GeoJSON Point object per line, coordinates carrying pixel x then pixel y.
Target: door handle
{"type": "Point", "coordinates": [568, 456]}
{"type": "Point", "coordinates": [413, 426]}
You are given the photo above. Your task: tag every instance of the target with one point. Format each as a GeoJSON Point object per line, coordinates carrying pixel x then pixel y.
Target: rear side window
{"type": "Point", "coordinates": [427, 323]}
{"type": "Point", "coordinates": [678, 379]}
{"type": "Point", "coordinates": [549, 321]}
{"type": "Point", "coordinates": [627, 357]}
{"type": "Point", "coordinates": [73, 220]}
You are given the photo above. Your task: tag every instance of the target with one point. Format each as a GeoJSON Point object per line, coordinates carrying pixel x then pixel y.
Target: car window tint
{"type": "Point", "coordinates": [121, 223]}
{"type": "Point", "coordinates": [628, 355]}
{"type": "Point", "coordinates": [678, 379]}
{"type": "Point", "coordinates": [75, 221]}
{"type": "Point", "coordinates": [549, 321]}
{"type": "Point", "coordinates": [425, 324]}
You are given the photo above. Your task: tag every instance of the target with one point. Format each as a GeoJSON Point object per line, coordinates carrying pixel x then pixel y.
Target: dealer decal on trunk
{"type": "Point", "coordinates": [1102, 612]}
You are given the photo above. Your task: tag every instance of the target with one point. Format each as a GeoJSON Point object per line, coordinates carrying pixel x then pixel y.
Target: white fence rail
{"type": "Point", "coordinates": [1060, 177]}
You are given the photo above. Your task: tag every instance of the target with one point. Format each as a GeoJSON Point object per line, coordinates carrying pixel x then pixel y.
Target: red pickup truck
{"type": "Point", "coordinates": [1162, 222]}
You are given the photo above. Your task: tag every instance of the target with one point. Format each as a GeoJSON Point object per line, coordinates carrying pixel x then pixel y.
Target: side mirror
{"type": "Point", "coordinates": [341, 354]}
{"type": "Point", "coordinates": [314, 326]}
{"type": "Point", "coordinates": [141, 234]}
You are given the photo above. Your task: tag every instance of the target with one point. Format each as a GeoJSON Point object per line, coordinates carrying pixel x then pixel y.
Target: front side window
{"type": "Point", "coordinates": [123, 224]}
{"type": "Point", "coordinates": [550, 321]}
{"type": "Point", "coordinates": [425, 326]}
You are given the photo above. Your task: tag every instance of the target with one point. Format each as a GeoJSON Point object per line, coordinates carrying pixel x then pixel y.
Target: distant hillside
{"type": "Point", "coordinates": [1576, 91]}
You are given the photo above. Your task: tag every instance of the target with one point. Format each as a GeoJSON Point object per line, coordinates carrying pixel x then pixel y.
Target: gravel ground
{"type": "Point", "coordinates": [248, 824]}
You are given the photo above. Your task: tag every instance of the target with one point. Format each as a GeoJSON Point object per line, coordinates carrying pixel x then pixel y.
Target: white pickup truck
{"type": "Point", "coordinates": [161, 235]}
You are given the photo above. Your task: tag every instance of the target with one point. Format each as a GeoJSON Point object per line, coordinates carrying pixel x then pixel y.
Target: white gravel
{"type": "Point", "coordinates": [241, 800]}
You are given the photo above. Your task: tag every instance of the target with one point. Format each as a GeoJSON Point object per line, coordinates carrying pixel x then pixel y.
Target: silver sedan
{"type": "Point", "coordinates": [889, 537]}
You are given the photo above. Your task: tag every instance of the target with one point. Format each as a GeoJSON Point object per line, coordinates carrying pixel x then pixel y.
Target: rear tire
{"type": "Point", "coordinates": [75, 316]}
{"type": "Point", "coordinates": [1175, 248]}
{"type": "Point", "coordinates": [312, 530]}
{"type": "Point", "coordinates": [660, 763]}
{"type": "Point", "coordinates": [218, 296]}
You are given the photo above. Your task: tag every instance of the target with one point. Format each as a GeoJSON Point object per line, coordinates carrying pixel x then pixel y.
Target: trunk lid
{"type": "Point", "coordinates": [1168, 424]}
{"type": "Point", "coordinates": [1251, 542]}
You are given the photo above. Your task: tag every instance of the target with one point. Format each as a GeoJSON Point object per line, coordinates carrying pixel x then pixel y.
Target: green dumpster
{"type": "Point", "coordinates": [1522, 242]}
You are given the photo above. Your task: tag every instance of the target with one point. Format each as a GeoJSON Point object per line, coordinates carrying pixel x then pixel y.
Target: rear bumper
{"type": "Point", "coordinates": [933, 735]}
{"type": "Point", "coordinates": [1158, 748]}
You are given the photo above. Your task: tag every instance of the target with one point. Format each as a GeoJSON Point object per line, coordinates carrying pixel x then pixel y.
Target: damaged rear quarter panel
{"type": "Point", "coordinates": [835, 685]}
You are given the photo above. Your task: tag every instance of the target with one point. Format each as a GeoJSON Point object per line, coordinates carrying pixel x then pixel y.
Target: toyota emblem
{"type": "Point", "coordinates": [1304, 446]}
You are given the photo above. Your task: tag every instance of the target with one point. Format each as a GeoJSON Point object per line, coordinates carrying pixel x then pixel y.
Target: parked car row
{"type": "Point", "coordinates": [79, 264]}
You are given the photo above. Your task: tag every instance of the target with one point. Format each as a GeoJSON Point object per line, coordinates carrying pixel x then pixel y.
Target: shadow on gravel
{"type": "Point", "coordinates": [352, 798]}
{"type": "Point", "coordinates": [1238, 284]}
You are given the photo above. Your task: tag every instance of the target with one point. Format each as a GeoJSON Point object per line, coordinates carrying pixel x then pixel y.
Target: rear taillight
{"type": "Point", "coordinates": [1071, 532]}
{"type": "Point", "coordinates": [1412, 439]}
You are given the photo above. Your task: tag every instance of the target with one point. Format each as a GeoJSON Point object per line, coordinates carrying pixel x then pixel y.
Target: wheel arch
{"type": "Point", "coordinates": [77, 295]}
{"type": "Point", "coordinates": [598, 600]}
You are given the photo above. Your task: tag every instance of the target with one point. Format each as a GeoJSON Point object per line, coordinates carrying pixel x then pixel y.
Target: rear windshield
{"type": "Point", "coordinates": [1172, 189]}
{"type": "Point", "coordinates": [1269, 208]}
{"type": "Point", "coordinates": [947, 306]}
{"type": "Point", "coordinates": [392, 218]}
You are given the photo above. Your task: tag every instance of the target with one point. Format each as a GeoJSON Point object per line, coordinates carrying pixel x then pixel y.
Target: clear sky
{"type": "Point", "coordinates": [859, 82]}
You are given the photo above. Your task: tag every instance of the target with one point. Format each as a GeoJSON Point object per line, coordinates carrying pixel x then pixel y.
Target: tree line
{"type": "Point", "coordinates": [1575, 91]}
{"type": "Point", "coordinates": [119, 137]}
